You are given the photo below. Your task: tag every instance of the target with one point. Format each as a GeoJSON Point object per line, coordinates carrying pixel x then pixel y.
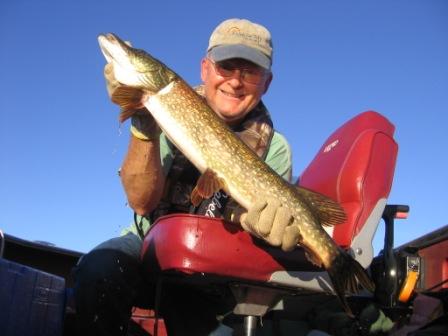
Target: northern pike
{"type": "Point", "coordinates": [226, 163]}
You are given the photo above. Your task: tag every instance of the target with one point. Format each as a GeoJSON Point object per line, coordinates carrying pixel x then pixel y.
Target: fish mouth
{"type": "Point", "coordinates": [120, 55]}
{"type": "Point", "coordinates": [111, 47]}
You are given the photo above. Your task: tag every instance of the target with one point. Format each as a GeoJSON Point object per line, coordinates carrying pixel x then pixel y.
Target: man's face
{"type": "Point", "coordinates": [229, 94]}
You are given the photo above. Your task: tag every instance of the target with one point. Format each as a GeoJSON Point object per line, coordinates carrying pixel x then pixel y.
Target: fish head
{"type": "Point", "coordinates": [134, 67]}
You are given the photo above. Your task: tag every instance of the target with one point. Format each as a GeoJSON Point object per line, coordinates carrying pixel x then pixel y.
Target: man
{"type": "Point", "coordinates": [158, 180]}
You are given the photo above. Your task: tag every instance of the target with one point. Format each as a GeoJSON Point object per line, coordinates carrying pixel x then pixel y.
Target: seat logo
{"type": "Point", "coordinates": [331, 146]}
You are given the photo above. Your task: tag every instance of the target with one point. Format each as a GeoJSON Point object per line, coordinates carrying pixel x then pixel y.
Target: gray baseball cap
{"type": "Point", "coordinates": [240, 38]}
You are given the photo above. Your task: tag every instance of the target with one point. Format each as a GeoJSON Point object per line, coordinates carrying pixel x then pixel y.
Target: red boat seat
{"type": "Point", "coordinates": [355, 166]}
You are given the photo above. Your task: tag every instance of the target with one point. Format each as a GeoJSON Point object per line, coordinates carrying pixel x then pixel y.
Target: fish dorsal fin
{"type": "Point", "coordinates": [328, 212]}
{"type": "Point", "coordinates": [208, 183]}
{"type": "Point", "coordinates": [129, 99]}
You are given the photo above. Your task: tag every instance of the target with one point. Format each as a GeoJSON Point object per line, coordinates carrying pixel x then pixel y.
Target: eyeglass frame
{"type": "Point", "coordinates": [243, 72]}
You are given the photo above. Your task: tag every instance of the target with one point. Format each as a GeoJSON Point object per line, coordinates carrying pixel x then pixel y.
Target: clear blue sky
{"type": "Point", "coordinates": [61, 144]}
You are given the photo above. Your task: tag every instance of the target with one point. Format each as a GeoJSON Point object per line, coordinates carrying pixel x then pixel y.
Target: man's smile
{"type": "Point", "coordinates": [232, 95]}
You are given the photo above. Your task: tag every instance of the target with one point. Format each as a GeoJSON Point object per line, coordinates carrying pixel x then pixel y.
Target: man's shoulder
{"type": "Point", "coordinates": [279, 156]}
{"type": "Point", "coordinates": [279, 141]}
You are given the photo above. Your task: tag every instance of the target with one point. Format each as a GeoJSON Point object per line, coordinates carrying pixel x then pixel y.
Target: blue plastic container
{"type": "Point", "coordinates": [32, 302]}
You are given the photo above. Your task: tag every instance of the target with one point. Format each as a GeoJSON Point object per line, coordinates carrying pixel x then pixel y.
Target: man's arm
{"type": "Point", "coordinates": [142, 176]}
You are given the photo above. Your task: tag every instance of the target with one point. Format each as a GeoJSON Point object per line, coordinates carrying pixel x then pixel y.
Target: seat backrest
{"type": "Point", "coordinates": [355, 167]}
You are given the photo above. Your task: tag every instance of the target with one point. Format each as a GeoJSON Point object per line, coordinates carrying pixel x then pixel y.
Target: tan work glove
{"type": "Point", "coordinates": [143, 125]}
{"type": "Point", "coordinates": [268, 220]}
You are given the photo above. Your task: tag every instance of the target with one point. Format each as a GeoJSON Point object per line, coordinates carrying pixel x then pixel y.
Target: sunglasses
{"type": "Point", "coordinates": [252, 75]}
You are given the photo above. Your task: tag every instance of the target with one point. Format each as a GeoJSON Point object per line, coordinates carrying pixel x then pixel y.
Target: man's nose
{"type": "Point", "coordinates": [236, 78]}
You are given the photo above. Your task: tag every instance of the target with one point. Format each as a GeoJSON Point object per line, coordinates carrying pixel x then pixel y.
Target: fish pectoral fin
{"type": "Point", "coordinates": [125, 114]}
{"type": "Point", "coordinates": [328, 211]}
{"type": "Point", "coordinates": [129, 98]}
{"type": "Point", "coordinates": [208, 183]}
{"type": "Point", "coordinates": [196, 199]}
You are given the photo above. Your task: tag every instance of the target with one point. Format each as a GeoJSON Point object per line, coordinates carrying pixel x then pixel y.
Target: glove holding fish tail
{"type": "Point", "coordinates": [270, 221]}
{"type": "Point", "coordinates": [143, 125]}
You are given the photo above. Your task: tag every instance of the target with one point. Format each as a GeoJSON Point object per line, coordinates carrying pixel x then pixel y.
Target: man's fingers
{"type": "Point", "coordinates": [108, 68]}
{"type": "Point", "coordinates": [109, 72]}
{"type": "Point", "coordinates": [111, 82]}
{"type": "Point", "coordinates": [252, 217]}
{"type": "Point", "coordinates": [280, 223]}
{"type": "Point", "coordinates": [266, 221]}
{"type": "Point", "coordinates": [244, 223]}
{"type": "Point", "coordinates": [291, 238]}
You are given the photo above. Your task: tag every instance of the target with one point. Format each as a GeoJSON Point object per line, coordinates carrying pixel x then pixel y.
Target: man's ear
{"type": "Point", "coordinates": [204, 69]}
{"type": "Point", "coordinates": [267, 82]}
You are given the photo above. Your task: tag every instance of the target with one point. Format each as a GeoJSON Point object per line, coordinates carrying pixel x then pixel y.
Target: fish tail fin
{"type": "Point", "coordinates": [129, 99]}
{"type": "Point", "coordinates": [347, 274]}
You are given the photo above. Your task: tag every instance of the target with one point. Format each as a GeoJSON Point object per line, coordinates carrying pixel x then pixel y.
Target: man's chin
{"type": "Point", "coordinates": [231, 119]}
